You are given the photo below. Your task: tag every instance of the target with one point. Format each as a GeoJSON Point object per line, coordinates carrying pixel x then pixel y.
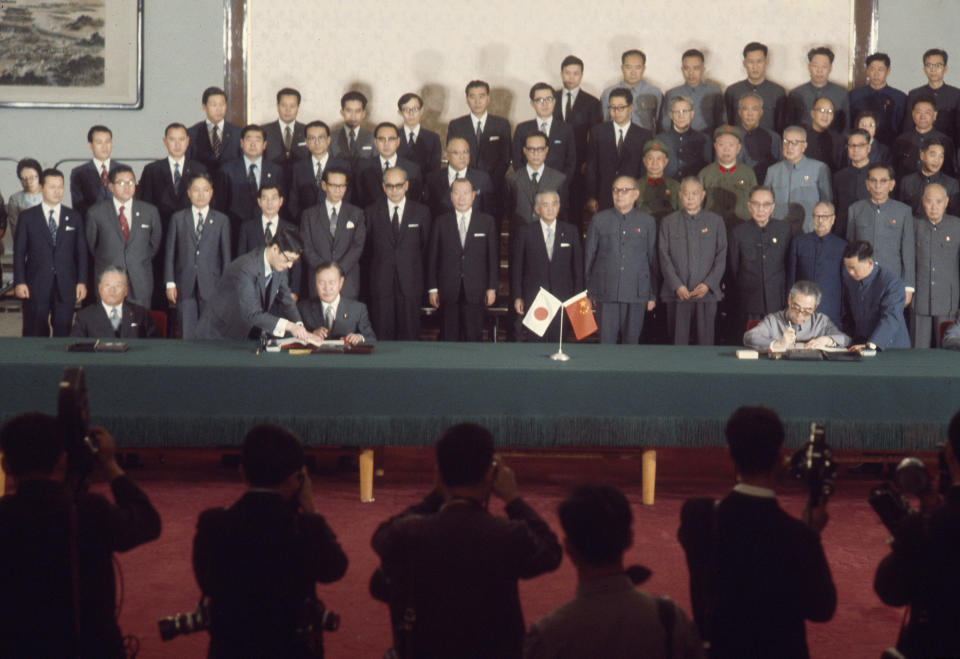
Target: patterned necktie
{"type": "Point", "coordinates": [124, 225]}
{"type": "Point", "coordinates": [463, 230]}
{"type": "Point", "coordinates": [543, 128]}
{"type": "Point", "coordinates": [550, 242]}
{"type": "Point", "coordinates": [198, 230]}
{"type": "Point", "coordinates": [268, 233]}
{"type": "Point", "coordinates": [52, 225]}
{"type": "Point", "coordinates": [328, 317]}
{"type": "Point", "coordinates": [396, 222]}
{"type": "Point", "coordinates": [252, 180]}
{"type": "Point", "coordinates": [176, 178]}
{"type": "Point", "coordinates": [567, 110]}
{"type": "Point", "coordinates": [104, 177]}
{"type": "Point", "coordinates": [216, 143]}
{"type": "Point", "coordinates": [319, 177]}
{"type": "Point", "coordinates": [333, 221]}
{"type": "Point", "coordinates": [287, 139]}
{"type": "Point", "coordinates": [115, 319]}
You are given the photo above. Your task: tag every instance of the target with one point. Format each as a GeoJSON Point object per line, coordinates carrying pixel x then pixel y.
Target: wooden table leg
{"type": "Point", "coordinates": [366, 475]}
{"type": "Point", "coordinates": [3, 480]}
{"type": "Point", "coordinates": [649, 461]}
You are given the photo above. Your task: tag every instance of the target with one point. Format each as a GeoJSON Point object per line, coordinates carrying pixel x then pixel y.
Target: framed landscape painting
{"type": "Point", "coordinates": [71, 53]}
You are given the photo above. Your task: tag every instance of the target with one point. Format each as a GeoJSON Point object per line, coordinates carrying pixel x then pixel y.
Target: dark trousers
{"type": "Point", "coordinates": [623, 320]}
{"type": "Point", "coordinates": [396, 317]}
{"type": "Point", "coordinates": [43, 304]}
{"type": "Point", "coordinates": [680, 314]}
{"type": "Point", "coordinates": [462, 319]}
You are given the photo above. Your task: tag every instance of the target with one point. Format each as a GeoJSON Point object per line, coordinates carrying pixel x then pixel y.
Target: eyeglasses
{"type": "Point", "coordinates": [289, 260]}
{"type": "Point", "coordinates": [337, 186]}
{"type": "Point", "coordinates": [804, 311]}
{"type": "Point", "coordinates": [933, 65]}
{"type": "Point", "coordinates": [623, 190]}
{"type": "Point", "coordinates": [543, 100]}
{"type": "Point", "coordinates": [126, 183]}
{"type": "Point", "coordinates": [317, 138]}
{"type": "Point", "coordinates": [394, 186]}
{"type": "Point", "coordinates": [794, 142]}
{"type": "Point", "coordinates": [410, 110]}
{"type": "Point", "coordinates": [824, 110]}
{"type": "Point", "coordinates": [619, 108]}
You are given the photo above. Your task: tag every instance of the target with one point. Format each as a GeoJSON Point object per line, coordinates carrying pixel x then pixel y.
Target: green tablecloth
{"type": "Point", "coordinates": [189, 394]}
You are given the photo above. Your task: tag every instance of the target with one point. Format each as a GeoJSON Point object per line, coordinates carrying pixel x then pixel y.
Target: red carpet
{"type": "Point", "coordinates": [158, 580]}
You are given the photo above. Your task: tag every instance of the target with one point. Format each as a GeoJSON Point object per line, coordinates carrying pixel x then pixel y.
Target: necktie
{"type": "Point", "coordinates": [198, 231]}
{"type": "Point", "coordinates": [533, 177]}
{"type": "Point", "coordinates": [543, 128]}
{"type": "Point", "coordinates": [328, 317]}
{"type": "Point", "coordinates": [176, 178]}
{"type": "Point", "coordinates": [396, 221]}
{"type": "Point", "coordinates": [252, 179]}
{"type": "Point", "coordinates": [124, 226]}
{"type": "Point", "coordinates": [104, 177]}
{"type": "Point", "coordinates": [268, 233]}
{"type": "Point", "coordinates": [550, 242]}
{"type": "Point", "coordinates": [352, 145]}
{"type": "Point", "coordinates": [266, 288]}
{"type": "Point", "coordinates": [115, 319]}
{"type": "Point", "coordinates": [319, 178]}
{"type": "Point", "coordinates": [216, 143]}
{"type": "Point", "coordinates": [463, 230]}
{"type": "Point", "coordinates": [287, 139]}
{"type": "Point", "coordinates": [411, 140]}
{"type": "Point", "coordinates": [569, 108]}
{"type": "Point", "coordinates": [333, 221]}
{"type": "Point", "coordinates": [386, 166]}
{"type": "Point", "coordinates": [52, 225]}
{"type": "Point", "coordinates": [479, 132]}
{"type": "Point", "coordinates": [619, 141]}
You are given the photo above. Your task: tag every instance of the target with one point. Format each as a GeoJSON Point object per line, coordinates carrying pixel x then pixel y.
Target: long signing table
{"type": "Point", "coordinates": [167, 394]}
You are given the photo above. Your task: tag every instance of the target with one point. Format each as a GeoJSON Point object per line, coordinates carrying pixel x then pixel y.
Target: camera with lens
{"type": "Point", "coordinates": [814, 464]}
{"type": "Point", "coordinates": [73, 415]}
{"type": "Point", "coordinates": [315, 618]}
{"type": "Point", "coordinates": [185, 623]}
{"type": "Point", "coordinates": [911, 477]}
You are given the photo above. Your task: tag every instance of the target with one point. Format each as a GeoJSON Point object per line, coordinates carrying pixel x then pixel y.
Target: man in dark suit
{"type": "Point", "coordinates": [875, 300]}
{"type": "Point", "coordinates": [399, 231]}
{"type": "Point", "coordinates": [239, 182]}
{"type": "Point", "coordinates": [214, 141]}
{"type": "Point", "coordinates": [462, 579]}
{"type": "Point", "coordinates": [305, 187]}
{"type": "Point", "coordinates": [332, 316]}
{"type": "Point", "coordinates": [49, 260]}
{"type": "Point", "coordinates": [368, 181]}
{"type": "Point", "coordinates": [286, 137]}
{"type": "Point", "coordinates": [252, 296]}
{"type": "Point", "coordinates": [581, 111]}
{"type": "Point", "coordinates": [127, 233]}
{"type": "Point", "coordinates": [534, 176]}
{"type": "Point", "coordinates": [418, 144]}
{"type": "Point", "coordinates": [197, 252]}
{"type": "Point", "coordinates": [115, 317]}
{"type": "Point", "coordinates": [260, 231]}
{"type": "Point", "coordinates": [163, 183]}
{"type": "Point", "coordinates": [743, 601]}
{"type": "Point", "coordinates": [90, 182]}
{"type": "Point", "coordinates": [818, 257]}
{"type": "Point", "coordinates": [615, 149]}
{"type": "Point", "coordinates": [545, 253]}
{"type": "Point", "coordinates": [437, 190]}
{"type": "Point", "coordinates": [353, 142]}
{"type": "Point", "coordinates": [334, 230]}
{"type": "Point", "coordinates": [488, 137]}
{"type": "Point", "coordinates": [562, 155]}
{"type": "Point", "coordinates": [462, 266]}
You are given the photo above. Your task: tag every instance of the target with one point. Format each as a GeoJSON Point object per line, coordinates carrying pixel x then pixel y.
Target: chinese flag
{"type": "Point", "coordinates": [580, 313]}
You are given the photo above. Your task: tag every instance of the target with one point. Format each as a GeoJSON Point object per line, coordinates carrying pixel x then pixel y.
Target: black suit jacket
{"type": "Point", "coordinates": [493, 153]}
{"type": "Point", "coordinates": [368, 182]}
{"type": "Point", "coordinates": [201, 150]}
{"type": "Point", "coordinates": [234, 195]}
{"type": "Point", "coordinates": [156, 187]}
{"type": "Point", "coordinates": [426, 151]}
{"type": "Point", "coordinates": [351, 318]}
{"type": "Point", "coordinates": [757, 263]}
{"type": "Point", "coordinates": [363, 147]}
{"type": "Point", "coordinates": [437, 191]}
{"type": "Point", "coordinates": [530, 268]}
{"type": "Point", "coordinates": [135, 323]}
{"type": "Point", "coordinates": [276, 153]}
{"type": "Point", "coordinates": [475, 264]}
{"type": "Point", "coordinates": [86, 186]}
{"type": "Point", "coordinates": [562, 153]}
{"type": "Point", "coordinates": [303, 189]}
{"type": "Point", "coordinates": [345, 247]}
{"type": "Point", "coordinates": [604, 165]}
{"type": "Point", "coordinates": [586, 113]}
{"type": "Point", "coordinates": [402, 257]}
{"type": "Point", "coordinates": [39, 264]}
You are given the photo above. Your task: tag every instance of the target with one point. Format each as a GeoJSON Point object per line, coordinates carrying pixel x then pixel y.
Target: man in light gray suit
{"type": "Point", "coordinates": [334, 230]}
{"type": "Point", "coordinates": [524, 183]}
{"type": "Point", "coordinates": [196, 254]}
{"type": "Point", "coordinates": [126, 233]}
{"type": "Point", "coordinates": [252, 296]}
{"type": "Point", "coordinates": [938, 267]}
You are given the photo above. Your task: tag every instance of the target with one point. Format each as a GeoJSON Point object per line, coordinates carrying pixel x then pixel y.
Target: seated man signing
{"type": "Point", "coordinates": [332, 316]}
{"type": "Point", "coordinates": [797, 326]}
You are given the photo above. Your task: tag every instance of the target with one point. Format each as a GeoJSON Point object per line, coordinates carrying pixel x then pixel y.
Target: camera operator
{"type": "Point", "coordinates": [258, 560]}
{"type": "Point", "coordinates": [56, 557]}
{"type": "Point", "coordinates": [756, 573]}
{"type": "Point", "coordinates": [923, 570]}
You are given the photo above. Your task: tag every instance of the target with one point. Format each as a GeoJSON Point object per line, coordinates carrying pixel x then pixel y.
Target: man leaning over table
{"type": "Point", "coordinates": [797, 326]}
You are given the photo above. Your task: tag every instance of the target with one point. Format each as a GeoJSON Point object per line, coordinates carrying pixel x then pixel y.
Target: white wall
{"type": "Point", "coordinates": [907, 29]}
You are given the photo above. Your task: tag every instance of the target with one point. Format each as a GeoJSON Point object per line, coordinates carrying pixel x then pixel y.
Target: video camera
{"type": "Point", "coordinates": [814, 464]}
{"type": "Point", "coordinates": [73, 415]}
{"type": "Point", "coordinates": [889, 499]}
{"type": "Point", "coordinates": [315, 618]}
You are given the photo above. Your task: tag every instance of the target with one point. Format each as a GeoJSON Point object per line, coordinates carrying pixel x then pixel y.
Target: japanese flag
{"type": "Point", "coordinates": [545, 306]}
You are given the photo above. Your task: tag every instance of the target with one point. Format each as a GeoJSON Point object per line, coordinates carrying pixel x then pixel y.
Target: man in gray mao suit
{"type": "Point", "coordinates": [620, 259]}
{"type": "Point", "coordinates": [938, 268]}
{"type": "Point", "coordinates": [524, 183]}
{"type": "Point", "coordinates": [334, 230]}
{"type": "Point", "coordinates": [253, 295]}
{"type": "Point", "coordinates": [693, 256]}
{"type": "Point", "coordinates": [126, 233]}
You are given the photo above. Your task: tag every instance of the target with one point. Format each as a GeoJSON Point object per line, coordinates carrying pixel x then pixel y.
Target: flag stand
{"type": "Point", "coordinates": [559, 355]}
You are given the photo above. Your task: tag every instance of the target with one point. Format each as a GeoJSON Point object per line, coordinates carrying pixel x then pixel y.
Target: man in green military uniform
{"type": "Point", "coordinates": [659, 195]}
{"type": "Point", "coordinates": [728, 181]}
